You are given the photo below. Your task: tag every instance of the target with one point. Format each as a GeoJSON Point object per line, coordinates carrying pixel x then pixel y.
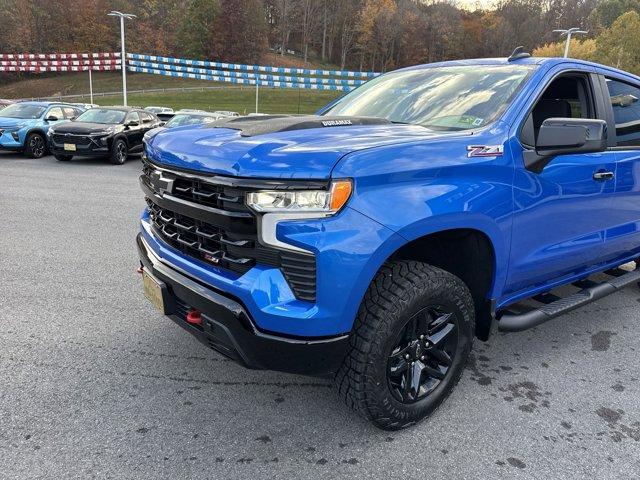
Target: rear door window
{"type": "Point", "coordinates": [625, 101]}
{"type": "Point", "coordinates": [70, 113]}
{"type": "Point", "coordinates": [56, 112]}
{"type": "Point", "coordinates": [133, 117]}
{"type": "Point", "coordinates": [146, 118]}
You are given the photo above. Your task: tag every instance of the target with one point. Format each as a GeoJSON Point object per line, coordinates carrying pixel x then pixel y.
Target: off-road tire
{"type": "Point", "coordinates": [119, 152]}
{"type": "Point", "coordinates": [63, 158]}
{"type": "Point", "coordinates": [400, 290]}
{"type": "Point", "coordinates": [35, 145]}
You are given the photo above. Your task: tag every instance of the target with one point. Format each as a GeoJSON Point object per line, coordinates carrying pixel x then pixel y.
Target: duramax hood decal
{"type": "Point", "coordinates": [261, 125]}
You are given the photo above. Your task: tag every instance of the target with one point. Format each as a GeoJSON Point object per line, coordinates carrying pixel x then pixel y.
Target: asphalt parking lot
{"type": "Point", "coordinates": [95, 384]}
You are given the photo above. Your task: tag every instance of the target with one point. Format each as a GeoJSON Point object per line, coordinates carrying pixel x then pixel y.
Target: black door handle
{"type": "Point", "coordinates": [603, 175]}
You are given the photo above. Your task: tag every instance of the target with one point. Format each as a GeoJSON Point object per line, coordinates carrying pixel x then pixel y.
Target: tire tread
{"type": "Point", "coordinates": [391, 292]}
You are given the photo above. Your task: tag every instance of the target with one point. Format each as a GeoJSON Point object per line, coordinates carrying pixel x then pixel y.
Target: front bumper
{"type": "Point", "coordinates": [228, 328]}
{"type": "Point", "coordinates": [8, 140]}
{"type": "Point", "coordinates": [86, 146]}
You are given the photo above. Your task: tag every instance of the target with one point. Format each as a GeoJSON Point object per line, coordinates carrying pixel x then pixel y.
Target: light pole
{"type": "Point", "coordinates": [569, 33]}
{"type": "Point", "coordinates": [90, 83]}
{"type": "Point", "coordinates": [123, 58]}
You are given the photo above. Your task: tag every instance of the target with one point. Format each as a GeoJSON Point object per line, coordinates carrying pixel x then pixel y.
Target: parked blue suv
{"type": "Point", "coordinates": [24, 125]}
{"type": "Point", "coordinates": [372, 242]}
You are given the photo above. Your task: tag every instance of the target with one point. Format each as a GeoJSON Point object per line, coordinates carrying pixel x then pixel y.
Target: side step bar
{"type": "Point", "coordinates": [512, 322]}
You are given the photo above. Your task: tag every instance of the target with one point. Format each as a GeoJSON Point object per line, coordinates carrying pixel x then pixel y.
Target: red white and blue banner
{"type": "Point", "coordinates": [234, 73]}
{"type": "Point", "coordinates": [58, 62]}
{"type": "Point", "coordinates": [241, 74]}
{"type": "Point", "coordinates": [250, 68]}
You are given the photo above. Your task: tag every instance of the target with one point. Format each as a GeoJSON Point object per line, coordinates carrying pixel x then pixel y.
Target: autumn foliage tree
{"type": "Point", "coordinates": [617, 45]}
{"type": "Point", "coordinates": [582, 49]}
{"type": "Point", "coordinates": [350, 34]}
{"type": "Point", "coordinates": [239, 32]}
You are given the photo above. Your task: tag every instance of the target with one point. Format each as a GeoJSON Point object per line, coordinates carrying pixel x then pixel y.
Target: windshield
{"type": "Point", "coordinates": [22, 111]}
{"type": "Point", "coordinates": [181, 120]}
{"type": "Point", "coordinates": [440, 98]}
{"type": "Point", "coordinates": [102, 115]}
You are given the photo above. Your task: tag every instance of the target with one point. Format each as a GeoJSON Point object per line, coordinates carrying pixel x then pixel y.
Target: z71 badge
{"type": "Point", "coordinates": [484, 151]}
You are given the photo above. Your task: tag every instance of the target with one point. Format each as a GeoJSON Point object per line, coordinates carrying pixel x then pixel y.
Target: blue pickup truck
{"type": "Point", "coordinates": [372, 242]}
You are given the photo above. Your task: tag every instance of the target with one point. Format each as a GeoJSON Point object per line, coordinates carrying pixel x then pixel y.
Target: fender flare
{"type": "Point", "coordinates": [120, 136]}
{"type": "Point", "coordinates": [434, 225]}
{"type": "Point", "coordinates": [39, 131]}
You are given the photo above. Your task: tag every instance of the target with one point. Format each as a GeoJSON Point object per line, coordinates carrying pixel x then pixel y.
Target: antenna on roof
{"type": "Point", "coordinates": [518, 53]}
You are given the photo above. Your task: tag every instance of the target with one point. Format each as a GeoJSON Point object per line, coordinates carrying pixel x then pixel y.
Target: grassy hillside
{"type": "Point", "coordinates": [72, 83]}
{"type": "Point", "coordinates": [46, 85]}
{"type": "Point", "coordinates": [242, 101]}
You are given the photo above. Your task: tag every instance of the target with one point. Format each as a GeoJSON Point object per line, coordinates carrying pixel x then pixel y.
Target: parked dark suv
{"type": "Point", "coordinates": [112, 132]}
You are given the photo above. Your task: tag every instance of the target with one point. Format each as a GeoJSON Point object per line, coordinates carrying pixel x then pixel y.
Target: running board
{"type": "Point", "coordinates": [517, 322]}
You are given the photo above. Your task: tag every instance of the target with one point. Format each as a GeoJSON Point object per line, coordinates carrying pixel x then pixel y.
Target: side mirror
{"type": "Point", "coordinates": [563, 136]}
{"type": "Point", "coordinates": [132, 123]}
{"type": "Point", "coordinates": [51, 118]}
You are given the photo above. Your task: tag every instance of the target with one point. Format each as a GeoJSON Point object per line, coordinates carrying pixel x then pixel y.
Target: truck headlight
{"type": "Point", "coordinates": [279, 205]}
{"type": "Point", "coordinates": [302, 201]}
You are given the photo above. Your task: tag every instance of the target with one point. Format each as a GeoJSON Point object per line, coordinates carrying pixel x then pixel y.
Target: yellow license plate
{"type": "Point", "coordinates": [153, 291]}
{"type": "Point", "coordinates": [70, 147]}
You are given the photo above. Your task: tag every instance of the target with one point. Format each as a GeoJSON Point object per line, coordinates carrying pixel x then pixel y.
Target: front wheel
{"type": "Point", "coordinates": [410, 344]}
{"type": "Point", "coordinates": [35, 146]}
{"type": "Point", "coordinates": [119, 152]}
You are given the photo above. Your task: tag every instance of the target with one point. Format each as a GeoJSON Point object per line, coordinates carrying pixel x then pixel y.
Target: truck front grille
{"type": "Point", "coordinates": [210, 221]}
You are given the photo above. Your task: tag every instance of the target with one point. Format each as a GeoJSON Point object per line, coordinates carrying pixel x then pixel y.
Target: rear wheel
{"type": "Point", "coordinates": [119, 152]}
{"type": "Point", "coordinates": [411, 340]}
{"type": "Point", "coordinates": [63, 158]}
{"type": "Point", "coordinates": [35, 146]}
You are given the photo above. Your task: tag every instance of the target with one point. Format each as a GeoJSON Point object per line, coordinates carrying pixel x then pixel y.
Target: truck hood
{"type": "Point", "coordinates": [308, 152]}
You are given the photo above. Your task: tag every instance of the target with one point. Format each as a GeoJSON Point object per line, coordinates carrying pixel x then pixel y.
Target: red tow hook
{"type": "Point", "coordinates": [194, 317]}
{"type": "Point", "coordinates": [140, 269]}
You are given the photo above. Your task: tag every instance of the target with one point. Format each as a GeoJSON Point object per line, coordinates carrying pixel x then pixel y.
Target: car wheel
{"type": "Point", "coordinates": [119, 152]}
{"type": "Point", "coordinates": [35, 146]}
{"type": "Point", "coordinates": [409, 346]}
{"type": "Point", "coordinates": [63, 158]}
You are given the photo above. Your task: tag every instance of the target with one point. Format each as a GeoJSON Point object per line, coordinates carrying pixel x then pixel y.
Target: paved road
{"type": "Point", "coordinates": [94, 383]}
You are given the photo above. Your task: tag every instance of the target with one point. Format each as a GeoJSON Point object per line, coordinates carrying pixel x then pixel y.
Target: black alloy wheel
{"type": "Point", "coordinates": [409, 345]}
{"type": "Point", "coordinates": [119, 152]}
{"type": "Point", "coordinates": [423, 354]}
{"type": "Point", "coordinates": [35, 146]}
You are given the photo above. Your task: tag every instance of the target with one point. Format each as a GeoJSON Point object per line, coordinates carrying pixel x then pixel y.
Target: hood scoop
{"type": "Point", "coordinates": [261, 125]}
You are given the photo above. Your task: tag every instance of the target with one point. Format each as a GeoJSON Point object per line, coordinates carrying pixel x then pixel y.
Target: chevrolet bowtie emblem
{"type": "Point", "coordinates": [161, 184]}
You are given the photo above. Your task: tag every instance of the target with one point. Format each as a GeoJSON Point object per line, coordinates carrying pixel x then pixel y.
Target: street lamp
{"type": "Point", "coordinates": [568, 33]}
{"type": "Point", "coordinates": [123, 58]}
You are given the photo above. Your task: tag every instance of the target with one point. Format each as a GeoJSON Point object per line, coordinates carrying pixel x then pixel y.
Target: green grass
{"type": "Point", "coordinates": [241, 101]}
